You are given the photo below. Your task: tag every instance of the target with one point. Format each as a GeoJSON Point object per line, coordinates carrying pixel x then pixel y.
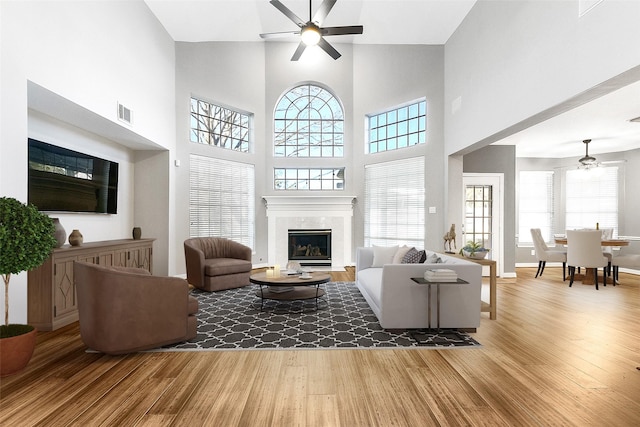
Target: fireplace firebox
{"type": "Point", "coordinates": [310, 247]}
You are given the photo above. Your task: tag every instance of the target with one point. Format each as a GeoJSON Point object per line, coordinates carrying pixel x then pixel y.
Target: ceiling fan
{"type": "Point", "coordinates": [587, 160]}
{"type": "Point", "coordinates": [311, 32]}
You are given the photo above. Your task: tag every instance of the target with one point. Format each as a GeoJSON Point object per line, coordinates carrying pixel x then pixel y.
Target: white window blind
{"type": "Point", "coordinates": [221, 199]}
{"type": "Point", "coordinates": [394, 203]}
{"type": "Point", "coordinates": [535, 205]}
{"type": "Point", "coordinates": [592, 198]}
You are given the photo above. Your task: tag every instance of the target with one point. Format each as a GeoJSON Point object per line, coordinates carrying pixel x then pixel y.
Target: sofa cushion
{"type": "Point", "coordinates": [224, 266]}
{"type": "Point", "coordinates": [400, 253]}
{"type": "Point", "coordinates": [414, 256]}
{"type": "Point", "coordinates": [383, 255]}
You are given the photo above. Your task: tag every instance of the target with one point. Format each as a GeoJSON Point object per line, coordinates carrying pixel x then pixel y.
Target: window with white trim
{"type": "Point", "coordinates": [221, 199]}
{"type": "Point", "coordinates": [308, 122]}
{"type": "Point", "coordinates": [394, 203]}
{"type": "Point", "coordinates": [219, 126]}
{"type": "Point", "coordinates": [592, 198]}
{"type": "Point", "coordinates": [308, 179]}
{"type": "Point", "coordinates": [536, 205]}
{"type": "Point", "coordinates": [397, 128]}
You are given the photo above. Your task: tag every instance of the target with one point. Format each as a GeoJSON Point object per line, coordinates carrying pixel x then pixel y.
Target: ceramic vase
{"type": "Point", "coordinates": [75, 238]}
{"type": "Point", "coordinates": [60, 233]}
{"type": "Point", "coordinates": [137, 233]}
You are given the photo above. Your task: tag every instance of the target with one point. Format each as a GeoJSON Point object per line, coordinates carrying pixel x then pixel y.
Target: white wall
{"type": "Point", "coordinates": [90, 55]}
{"type": "Point", "coordinates": [510, 60]}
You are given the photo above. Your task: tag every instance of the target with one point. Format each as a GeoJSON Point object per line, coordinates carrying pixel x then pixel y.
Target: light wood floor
{"type": "Point", "coordinates": [555, 356]}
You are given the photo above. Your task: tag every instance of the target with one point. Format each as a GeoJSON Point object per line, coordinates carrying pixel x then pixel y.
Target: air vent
{"type": "Point", "coordinates": [124, 114]}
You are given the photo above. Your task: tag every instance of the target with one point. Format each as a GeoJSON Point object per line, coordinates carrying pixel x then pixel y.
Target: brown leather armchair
{"type": "Point", "coordinates": [125, 309]}
{"type": "Point", "coordinates": [216, 263]}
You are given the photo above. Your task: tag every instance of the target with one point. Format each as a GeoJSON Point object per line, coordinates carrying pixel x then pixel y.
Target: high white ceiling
{"type": "Point", "coordinates": [604, 120]}
{"type": "Point", "coordinates": [384, 21]}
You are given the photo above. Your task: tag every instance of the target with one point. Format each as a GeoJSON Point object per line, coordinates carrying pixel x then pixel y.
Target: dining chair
{"type": "Point", "coordinates": [544, 253]}
{"type": "Point", "coordinates": [584, 249]}
{"type": "Point", "coordinates": [624, 261]}
{"type": "Point", "coordinates": [607, 251]}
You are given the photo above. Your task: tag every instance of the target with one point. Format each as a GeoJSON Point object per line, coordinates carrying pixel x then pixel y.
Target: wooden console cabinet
{"type": "Point", "coordinates": [51, 294]}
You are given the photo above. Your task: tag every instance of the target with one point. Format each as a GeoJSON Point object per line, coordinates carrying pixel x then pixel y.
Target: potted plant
{"type": "Point", "coordinates": [474, 250]}
{"type": "Point", "coordinates": [26, 241]}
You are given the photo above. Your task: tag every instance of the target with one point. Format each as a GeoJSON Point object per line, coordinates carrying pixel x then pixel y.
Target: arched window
{"type": "Point", "coordinates": [308, 122]}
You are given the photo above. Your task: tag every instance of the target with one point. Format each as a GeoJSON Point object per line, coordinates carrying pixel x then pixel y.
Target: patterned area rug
{"type": "Point", "coordinates": [233, 319]}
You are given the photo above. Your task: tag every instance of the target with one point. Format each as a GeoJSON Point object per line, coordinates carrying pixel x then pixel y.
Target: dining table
{"type": "Point", "coordinates": [587, 277]}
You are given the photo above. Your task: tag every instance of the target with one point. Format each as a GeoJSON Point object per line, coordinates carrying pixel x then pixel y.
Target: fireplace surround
{"type": "Point", "coordinates": [291, 212]}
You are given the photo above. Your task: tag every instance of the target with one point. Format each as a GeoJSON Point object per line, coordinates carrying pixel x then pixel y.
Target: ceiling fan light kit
{"type": "Point", "coordinates": [310, 36]}
{"type": "Point", "coordinates": [311, 32]}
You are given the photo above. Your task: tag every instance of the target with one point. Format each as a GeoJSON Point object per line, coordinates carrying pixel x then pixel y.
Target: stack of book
{"type": "Point", "coordinates": [441, 275]}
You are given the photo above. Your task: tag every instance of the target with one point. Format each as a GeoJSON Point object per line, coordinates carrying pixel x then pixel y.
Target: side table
{"type": "Point", "coordinates": [423, 281]}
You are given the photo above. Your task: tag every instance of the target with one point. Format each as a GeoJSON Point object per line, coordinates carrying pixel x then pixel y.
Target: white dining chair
{"type": "Point", "coordinates": [544, 253]}
{"type": "Point", "coordinates": [584, 249]}
{"type": "Point", "coordinates": [624, 261]}
{"type": "Point", "coordinates": [607, 251]}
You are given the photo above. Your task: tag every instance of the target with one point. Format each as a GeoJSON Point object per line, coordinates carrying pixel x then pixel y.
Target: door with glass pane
{"type": "Point", "coordinates": [483, 213]}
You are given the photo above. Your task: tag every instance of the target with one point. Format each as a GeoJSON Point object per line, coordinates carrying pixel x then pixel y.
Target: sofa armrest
{"type": "Point", "coordinates": [364, 258]}
{"type": "Point", "coordinates": [194, 260]}
{"type": "Point", "coordinates": [239, 251]}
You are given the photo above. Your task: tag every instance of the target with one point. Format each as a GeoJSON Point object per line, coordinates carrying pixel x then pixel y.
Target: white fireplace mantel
{"type": "Point", "coordinates": [309, 212]}
{"type": "Point", "coordinates": [309, 203]}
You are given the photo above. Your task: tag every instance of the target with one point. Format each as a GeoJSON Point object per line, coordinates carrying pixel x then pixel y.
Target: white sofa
{"type": "Point", "coordinates": [400, 303]}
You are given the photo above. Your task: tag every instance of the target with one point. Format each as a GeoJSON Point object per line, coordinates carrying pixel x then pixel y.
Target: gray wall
{"type": "Point", "coordinates": [512, 64]}
{"type": "Point", "coordinates": [499, 159]}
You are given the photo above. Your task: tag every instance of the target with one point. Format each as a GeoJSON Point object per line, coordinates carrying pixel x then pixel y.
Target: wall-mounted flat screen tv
{"type": "Point", "coordinates": [62, 180]}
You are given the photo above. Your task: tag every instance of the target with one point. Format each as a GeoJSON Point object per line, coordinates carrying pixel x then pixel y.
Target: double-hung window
{"type": "Point", "coordinates": [592, 198]}
{"type": "Point", "coordinates": [394, 203]}
{"type": "Point", "coordinates": [221, 199]}
{"type": "Point", "coordinates": [536, 205]}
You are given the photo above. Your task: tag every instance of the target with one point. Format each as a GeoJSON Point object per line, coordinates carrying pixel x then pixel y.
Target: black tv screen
{"type": "Point", "coordinates": [62, 180]}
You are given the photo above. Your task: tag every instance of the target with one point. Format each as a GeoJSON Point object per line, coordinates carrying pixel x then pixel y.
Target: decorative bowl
{"type": "Point", "coordinates": [476, 254]}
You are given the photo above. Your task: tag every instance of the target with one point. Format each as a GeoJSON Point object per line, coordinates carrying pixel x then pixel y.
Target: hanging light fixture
{"type": "Point", "coordinates": [587, 162]}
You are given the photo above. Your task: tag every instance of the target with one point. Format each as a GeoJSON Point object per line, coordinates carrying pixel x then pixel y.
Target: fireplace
{"type": "Point", "coordinates": [310, 247]}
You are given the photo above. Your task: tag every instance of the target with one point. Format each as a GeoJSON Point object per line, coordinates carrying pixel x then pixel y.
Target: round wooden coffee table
{"type": "Point", "coordinates": [289, 287]}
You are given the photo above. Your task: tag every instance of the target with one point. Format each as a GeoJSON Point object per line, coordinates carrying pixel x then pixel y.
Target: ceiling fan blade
{"type": "Point", "coordinates": [337, 31]}
{"type": "Point", "coordinates": [285, 10]}
{"type": "Point", "coordinates": [298, 52]}
{"type": "Point", "coordinates": [323, 11]}
{"type": "Point", "coordinates": [280, 34]}
{"type": "Point", "coordinates": [329, 49]}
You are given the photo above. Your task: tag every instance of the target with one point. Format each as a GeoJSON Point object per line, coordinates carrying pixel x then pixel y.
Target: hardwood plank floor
{"type": "Point", "coordinates": [555, 356]}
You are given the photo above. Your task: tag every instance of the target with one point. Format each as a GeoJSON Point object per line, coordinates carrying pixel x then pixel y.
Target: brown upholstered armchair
{"type": "Point", "coordinates": [125, 309]}
{"type": "Point", "coordinates": [216, 263]}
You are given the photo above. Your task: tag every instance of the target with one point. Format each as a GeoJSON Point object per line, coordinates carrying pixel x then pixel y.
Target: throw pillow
{"type": "Point", "coordinates": [383, 255]}
{"type": "Point", "coordinates": [433, 259]}
{"type": "Point", "coordinates": [414, 256]}
{"type": "Point", "coordinates": [400, 253]}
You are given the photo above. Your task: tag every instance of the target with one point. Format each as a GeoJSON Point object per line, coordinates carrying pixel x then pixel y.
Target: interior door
{"type": "Point", "coordinates": [483, 212]}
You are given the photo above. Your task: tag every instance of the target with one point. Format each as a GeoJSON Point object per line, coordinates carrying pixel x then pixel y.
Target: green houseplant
{"type": "Point", "coordinates": [26, 240]}
{"type": "Point", "coordinates": [474, 250]}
